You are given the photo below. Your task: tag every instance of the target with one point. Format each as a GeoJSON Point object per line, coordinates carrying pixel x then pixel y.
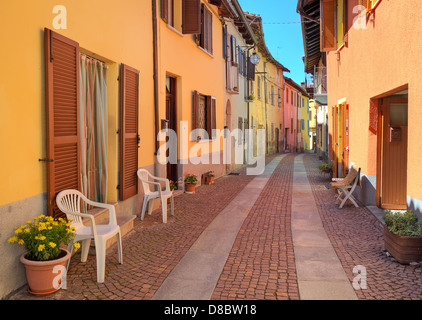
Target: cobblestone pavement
{"type": "Point", "coordinates": [357, 237]}
{"type": "Point", "coordinates": [152, 249]}
{"type": "Point", "coordinates": [261, 264]}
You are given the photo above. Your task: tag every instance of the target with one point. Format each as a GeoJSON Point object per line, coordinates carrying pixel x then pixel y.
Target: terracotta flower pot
{"type": "Point", "coordinates": [41, 276]}
{"type": "Point", "coordinates": [404, 249]}
{"type": "Point", "coordinates": [190, 187]}
{"type": "Point", "coordinates": [209, 180]}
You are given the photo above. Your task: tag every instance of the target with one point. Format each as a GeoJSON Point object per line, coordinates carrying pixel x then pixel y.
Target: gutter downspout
{"type": "Point", "coordinates": [155, 77]}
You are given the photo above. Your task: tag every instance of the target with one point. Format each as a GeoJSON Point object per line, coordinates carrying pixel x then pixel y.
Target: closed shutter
{"type": "Point", "coordinates": [191, 16]}
{"type": "Point", "coordinates": [208, 34]}
{"type": "Point", "coordinates": [225, 42]}
{"type": "Point", "coordinates": [165, 10]}
{"type": "Point", "coordinates": [62, 112]}
{"type": "Point", "coordinates": [251, 71]}
{"type": "Point", "coordinates": [195, 110]}
{"type": "Point", "coordinates": [328, 26]}
{"type": "Point", "coordinates": [129, 139]}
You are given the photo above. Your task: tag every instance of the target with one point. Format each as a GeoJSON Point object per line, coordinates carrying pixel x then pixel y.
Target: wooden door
{"type": "Point", "coordinates": [62, 112]}
{"type": "Point", "coordinates": [394, 154]}
{"type": "Point", "coordinates": [340, 141]}
{"type": "Point", "coordinates": [171, 116]}
{"type": "Point", "coordinates": [335, 141]}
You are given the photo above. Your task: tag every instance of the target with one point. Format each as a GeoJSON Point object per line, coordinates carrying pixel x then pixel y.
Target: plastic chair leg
{"type": "Point", "coordinates": [100, 251]}
{"type": "Point", "coordinates": [164, 209]}
{"type": "Point", "coordinates": [85, 249]}
{"type": "Point", "coordinates": [144, 206]}
{"type": "Point", "coordinates": [119, 247]}
{"type": "Point", "coordinates": [172, 205]}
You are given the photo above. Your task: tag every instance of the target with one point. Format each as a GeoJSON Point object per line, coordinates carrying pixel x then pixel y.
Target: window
{"type": "Point", "coordinates": [204, 114]}
{"type": "Point", "coordinates": [204, 39]}
{"type": "Point", "coordinates": [172, 13]}
{"type": "Point", "coordinates": [259, 88]}
{"type": "Point", "coordinates": [191, 16]}
{"type": "Point", "coordinates": [287, 95]}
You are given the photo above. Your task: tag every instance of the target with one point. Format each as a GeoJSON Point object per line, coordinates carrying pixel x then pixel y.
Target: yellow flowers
{"type": "Point", "coordinates": [43, 237]}
{"type": "Point", "coordinates": [77, 245]}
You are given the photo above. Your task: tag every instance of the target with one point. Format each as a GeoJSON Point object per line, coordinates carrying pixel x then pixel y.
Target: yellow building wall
{"type": "Point", "coordinates": [124, 37]}
{"type": "Point", "coordinates": [305, 117]}
{"type": "Point", "coordinates": [194, 69]}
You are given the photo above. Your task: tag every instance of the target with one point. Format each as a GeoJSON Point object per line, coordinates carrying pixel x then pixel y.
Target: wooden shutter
{"type": "Point", "coordinates": [129, 139]}
{"type": "Point", "coordinates": [211, 115]}
{"type": "Point", "coordinates": [191, 16]}
{"type": "Point", "coordinates": [224, 41]}
{"type": "Point", "coordinates": [62, 111]}
{"type": "Point", "coordinates": [195, 110]}
{"type": "Point", "coordinates": [208, 34]}
{"type": "Point", "coordinates": [165, 10]}
{"type": "Point", "coordinates": [251, 70]}
{"type": "Point", "coordinates": [328, 25]}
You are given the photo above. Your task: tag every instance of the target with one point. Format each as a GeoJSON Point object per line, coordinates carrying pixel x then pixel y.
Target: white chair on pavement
{"type": "Point", "coordinates": [344, 187]}
{"type": "Point", "coordinates": [69, 202]}
{"type": "Point", "coordinates": [147, 180]}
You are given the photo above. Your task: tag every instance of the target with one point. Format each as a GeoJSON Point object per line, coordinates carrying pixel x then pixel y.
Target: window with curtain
{"type": "Point", "coordinates": [93, 75]}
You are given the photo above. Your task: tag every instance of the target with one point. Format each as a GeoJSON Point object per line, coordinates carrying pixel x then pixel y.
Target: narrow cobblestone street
{"type": "Point", "coordinates": [261, 262]}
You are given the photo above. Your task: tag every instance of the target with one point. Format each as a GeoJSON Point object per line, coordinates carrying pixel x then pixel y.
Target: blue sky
{"type": "Point", "coordinates": [283, 40]}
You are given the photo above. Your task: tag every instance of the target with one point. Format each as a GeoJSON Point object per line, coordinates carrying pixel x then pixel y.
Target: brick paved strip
{"type": "Point", "coordinates": [195, 276]}
{"type": "Point", "coordinates": [357, 237]}
{"type": "Point", "coordinates": [261, 263]}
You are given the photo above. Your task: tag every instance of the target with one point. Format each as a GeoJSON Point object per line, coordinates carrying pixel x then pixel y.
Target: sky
{"type": "Point", "coordinates": [283, 39]}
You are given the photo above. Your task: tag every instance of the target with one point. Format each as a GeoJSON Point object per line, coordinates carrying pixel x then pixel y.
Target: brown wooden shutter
{"type": "Point", "coordinates": [195, 110]}
{"type": "Point", "coordinates": [62, 111]}
{"type": "Point", "coordinates": [165, 10]}
{"type": "Point", "coordinates": [191, 16]}
{"type": "Point", "coordinates": [328, 25]}
{"type": "Point", "coordinates": [213, 113]}
{"type": "Point", "coordinates": [208, 34]}
{"type": "Point", "coordinates": [129, 139]}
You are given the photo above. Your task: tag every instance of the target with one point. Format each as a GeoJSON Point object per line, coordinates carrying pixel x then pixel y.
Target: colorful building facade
{"type": "Point", "coordinates": [373, 114]}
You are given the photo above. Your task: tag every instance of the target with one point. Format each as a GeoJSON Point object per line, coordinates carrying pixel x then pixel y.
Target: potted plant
{"type": "Point", "coordinates": [251, 98]}
{"type": "Point", "coordinates": [325, 167]}
{"type": "Point", "coordinates": [209, 177]}
{"type": "Point", "coordinates": [190, 182]}
{"type": "Point", "coordinates": [44, 257]}
{"type": "Point", "coordinates": [403, 236]}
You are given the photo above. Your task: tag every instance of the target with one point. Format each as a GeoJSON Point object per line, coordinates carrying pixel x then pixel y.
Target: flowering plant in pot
{"type": "Point", "coordinates": [43, 239]}
{"type": "Point", "coordinates": [403, 236]}
{"type": "Point", "coordinates": [190, 181]}
{"type": "Point", "coordinates": [209, 177]}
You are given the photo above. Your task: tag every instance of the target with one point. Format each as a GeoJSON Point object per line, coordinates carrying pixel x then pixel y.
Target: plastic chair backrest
{"type": "Point", "coordinates": [143, 176]}
{"type": "Point", "coordinates": [70, 201]}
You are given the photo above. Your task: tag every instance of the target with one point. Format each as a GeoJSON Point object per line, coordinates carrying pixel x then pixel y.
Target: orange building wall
{"type": "Point", "coordinates": [383, 57]}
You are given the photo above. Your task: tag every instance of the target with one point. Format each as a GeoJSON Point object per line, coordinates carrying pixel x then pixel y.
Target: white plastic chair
{"type": "Point", "coordinates": [149, 194]}
{"type": "Point", "coordinates": [69, 202]}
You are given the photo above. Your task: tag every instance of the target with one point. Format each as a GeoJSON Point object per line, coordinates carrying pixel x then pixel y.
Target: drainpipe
{"type": "Point", "coordinates": [155, 77]}
{"type": "Point", "coordinates": [265, 102]}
